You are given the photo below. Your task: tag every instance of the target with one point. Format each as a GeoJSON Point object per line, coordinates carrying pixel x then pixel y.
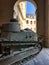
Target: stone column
{"type": "Point", "coordinates": [47, 23]}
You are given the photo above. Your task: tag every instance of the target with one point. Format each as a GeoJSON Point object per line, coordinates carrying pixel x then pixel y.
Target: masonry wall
{"type": "Point", "coordinates": [47, 23]}
{"type": "Point", "coordinates": [6, 10]}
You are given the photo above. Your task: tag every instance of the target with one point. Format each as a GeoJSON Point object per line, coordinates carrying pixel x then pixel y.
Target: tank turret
{"type": "Point", "coordinates": [13, 25]}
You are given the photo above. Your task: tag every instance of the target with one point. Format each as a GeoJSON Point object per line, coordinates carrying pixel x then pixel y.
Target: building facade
{"type": "Point", "coordinates": [31, 23]}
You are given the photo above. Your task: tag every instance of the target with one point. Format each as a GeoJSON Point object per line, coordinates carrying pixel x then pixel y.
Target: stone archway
{"type": "Point", "coordinates": [17, 9]}
{"type": "Point", "coordinates": [17, 2]}
{"type": "Point", "coordinates": [40, 15]}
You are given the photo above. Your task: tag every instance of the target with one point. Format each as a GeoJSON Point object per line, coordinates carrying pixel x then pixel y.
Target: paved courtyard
{"type": "Point", "coordinates": [41, 59]}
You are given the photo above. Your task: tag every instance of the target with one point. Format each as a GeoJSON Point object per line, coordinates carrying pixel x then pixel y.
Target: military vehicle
{"type": "Point", "coordinates": [14, 39]}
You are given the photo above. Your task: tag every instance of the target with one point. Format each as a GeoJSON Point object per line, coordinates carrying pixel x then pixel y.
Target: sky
{"type": "Point", "coordinates": [30, 8]}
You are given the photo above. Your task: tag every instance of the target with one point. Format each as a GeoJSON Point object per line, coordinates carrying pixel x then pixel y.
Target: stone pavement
{"type": "Point", "coordinates": [41, 59]}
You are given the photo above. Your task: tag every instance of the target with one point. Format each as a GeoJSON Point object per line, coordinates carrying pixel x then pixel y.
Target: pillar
{"type": "Point", "coordinates": [47, 23]}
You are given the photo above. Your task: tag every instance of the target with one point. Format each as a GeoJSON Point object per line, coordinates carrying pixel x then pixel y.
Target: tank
{"type": "Point", "coordinates": [12, 32]}
{"type": "Point", "coordinates": [14, 39]}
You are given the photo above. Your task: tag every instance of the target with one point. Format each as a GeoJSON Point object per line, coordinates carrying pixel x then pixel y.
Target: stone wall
{"type": "Point", "coordinates": [6, 10]}
{"type": "Point", "coordinates": [47, 23]}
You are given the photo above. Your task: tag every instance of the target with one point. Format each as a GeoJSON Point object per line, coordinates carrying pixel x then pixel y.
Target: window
{"type": "Point", "coordinates": [30, 22]}
{"type": "Point", "coordinates": [27, 21]}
